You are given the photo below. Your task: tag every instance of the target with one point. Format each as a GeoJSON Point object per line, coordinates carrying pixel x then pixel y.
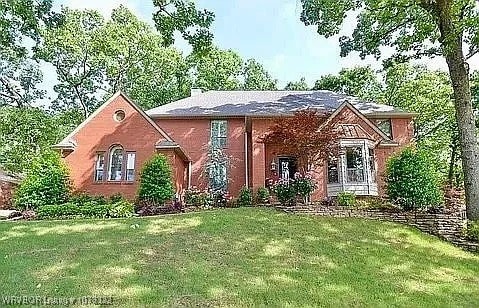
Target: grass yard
{"type": "Point", "coordinates": [236, 257]}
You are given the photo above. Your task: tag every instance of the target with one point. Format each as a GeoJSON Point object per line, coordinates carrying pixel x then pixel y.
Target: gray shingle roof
{"type": "Point", "coordinates": [262, 103]}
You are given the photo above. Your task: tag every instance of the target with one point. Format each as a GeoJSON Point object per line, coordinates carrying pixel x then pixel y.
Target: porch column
{"type": "Point", "coordinates": [258, 165]}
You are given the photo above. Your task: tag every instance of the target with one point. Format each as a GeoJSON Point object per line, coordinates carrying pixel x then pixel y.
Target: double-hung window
{"type": "Point", "coordinates": [354, 164]}
{"type": "Point", "coordinates": [333, 170]}
{"type": "Point", "coordinates": [219, 132]}
{"type": "Point", "coordinates": [99, 166]}
{"type": "Point", "coordinates": [130, 166]}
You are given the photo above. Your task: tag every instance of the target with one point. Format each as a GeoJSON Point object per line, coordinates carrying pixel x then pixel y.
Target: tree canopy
{"type": "Point", "coordinates": [414, 29]}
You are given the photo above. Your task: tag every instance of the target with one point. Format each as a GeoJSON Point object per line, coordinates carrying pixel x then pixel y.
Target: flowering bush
{"type": "Point", "coordinates": [288, 191]}
{"type": "Point", "coordinates": [304, 186]}
{"type": "Point", "coordinates": [197, 197]}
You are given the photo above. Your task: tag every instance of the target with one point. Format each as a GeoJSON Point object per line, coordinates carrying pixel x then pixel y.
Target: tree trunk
{"type": "Point", "coordinates": [452, 162]}
{"type": "Point", "coordinates": [451, 41]}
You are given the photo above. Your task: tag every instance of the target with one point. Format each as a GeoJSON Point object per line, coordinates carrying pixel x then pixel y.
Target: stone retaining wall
{"type": "Point", "coordinates": [450, 227]}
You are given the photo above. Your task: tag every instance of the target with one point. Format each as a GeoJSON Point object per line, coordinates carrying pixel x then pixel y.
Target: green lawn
{"type": "Point", "coordinates": [236, 257]}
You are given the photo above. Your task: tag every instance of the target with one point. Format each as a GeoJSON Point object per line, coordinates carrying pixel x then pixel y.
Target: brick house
{"type": "Point", "coordinates": [8, 183]}
{"type": "Point", "coordinates": [106, 152]}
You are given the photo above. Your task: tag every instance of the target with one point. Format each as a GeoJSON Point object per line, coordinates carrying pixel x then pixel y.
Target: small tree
{"type": "Point", "coordinates": [411, 181]}
{"type": "Point", "coordinates": [307, 136]}
{"type": "Point", "coordinates": [155, 181]}
{"type": "Point", "coordinates": [47, 182]}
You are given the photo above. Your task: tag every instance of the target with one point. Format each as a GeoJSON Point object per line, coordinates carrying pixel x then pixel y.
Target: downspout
{"type": "Point", "coordinates": [246, 151]}
{"type": "Point", "coordinates": [190, 165]}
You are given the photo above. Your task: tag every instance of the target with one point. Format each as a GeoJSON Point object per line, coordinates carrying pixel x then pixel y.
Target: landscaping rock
{"type": "Point", "coordinates": [6, 214]}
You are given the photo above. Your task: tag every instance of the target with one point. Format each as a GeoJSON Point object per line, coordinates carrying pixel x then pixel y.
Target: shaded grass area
{"type": "Point", "coordinates": [237, 257]}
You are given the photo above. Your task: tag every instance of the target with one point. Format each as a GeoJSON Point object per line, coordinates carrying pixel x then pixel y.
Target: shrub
{"type": "Point", "coordinates": [87, 210]}
{"type": "Point", "coordinates": [262, 195]}
{"type": "Point", "coordinates": [411, 181]}
{"type": "Point", "coordinates": [199, 198]}
{"type": "Point", "coordinates": [473, 230]}
{"type": "Point", "coordinates": [155, 180]}
{"type": "Point", "coordinates": [288, 191]}
{"type": "Point", "coordinates": [285, 192]}
{"type": "Point", "coordinates": [245, 197]}
{"type": "Point", "coordinates": [121, 208]}
{"type": "Point", "coordinates": [47, 182]}
{"type": "Point", "coordinates": [220, 198]}
{"type": "Point", "coordinates": [81, 199]}
{"type": "Point", "coordinates": [346, 199]}
{"type": "Point", "coordinates": [304, 186]}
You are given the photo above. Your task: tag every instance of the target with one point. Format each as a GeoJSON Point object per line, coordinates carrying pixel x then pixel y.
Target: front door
{"type": "Point", "coordinates": [287, 167]}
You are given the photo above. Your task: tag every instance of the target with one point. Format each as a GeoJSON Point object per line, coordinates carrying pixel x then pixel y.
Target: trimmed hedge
{"type": "Point", "coordinates": [90, 209]}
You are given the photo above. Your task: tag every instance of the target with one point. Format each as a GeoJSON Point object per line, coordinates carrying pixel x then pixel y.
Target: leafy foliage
{"type": "Point", "coordinates": [256, 77]}
{"type": "Point", "coordinates": [414, 29]}
{"type": "Point", "coordinates": [68, 210]}
{"type": "Point", "coordinates": [47, 182]}
{"type": "Point", "coordinates": [198, 198]}
{"type": "Point", "coordinates": [360, 81]}
{"type": "Point", "coordinates": [183, 16]}
{"type": "Point", "coordinates": [300, 85]}
{"type": "Point", "coordinates": [262, 195]}
{"type": "Point", "coordinates": [306, 136]}
{"type": "Point", "coordinates": [25, 133]}
{"type": "Point", "coordinates": [289, 191]}
{"type": "Point", "coordinates": [245, 197]}
{"type": "Point", "coordinates": [411, 181]}
{"type": "Point", "coordinates": [217, 69]}
{"type": "Point", "coordinates": [155, 181]}
{"type": "Point", "coordinates": [346, 198]}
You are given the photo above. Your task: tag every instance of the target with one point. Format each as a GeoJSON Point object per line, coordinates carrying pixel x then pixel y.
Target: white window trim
{"type": "Point", "coordinates": [367, 187]}
{"type": "Point", "coordinates": [110, 160]}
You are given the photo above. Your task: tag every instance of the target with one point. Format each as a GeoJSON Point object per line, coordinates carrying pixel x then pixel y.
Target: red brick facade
{"type": "Point", "coordinates": [250, 162]}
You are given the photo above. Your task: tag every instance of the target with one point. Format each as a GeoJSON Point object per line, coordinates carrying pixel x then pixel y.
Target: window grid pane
{"type": "Point", "coordinates": [130, 166]}
{"type": "Point", "coordinates": [219, 132]}
{"type": "Point", "coordinates": [116, 162]}
{"type": "Point", "coordinates": [99, 166]}
{"type": "Point", "coordinates": [354, 164]}
{"type": "Point", "coordinates": [333, 172]}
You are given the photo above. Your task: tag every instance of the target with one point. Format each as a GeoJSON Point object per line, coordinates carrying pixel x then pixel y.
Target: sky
{"type": "Point", "coordinates": [268, 30]}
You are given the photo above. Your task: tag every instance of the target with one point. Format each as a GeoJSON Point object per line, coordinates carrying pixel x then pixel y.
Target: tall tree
{"type": "Point", "coordinates": [20, 23]}
{"type": "Point", "coordinates": [95, 58]}
{"type": "Point", "coordinates": [360, 81]}
{"type": "Point", "coordinates": [416, 28]}
{"type": "Point", "coordinates": [72, 48]}
{"type": "Point", "coordinates": [216, 69]}
{"type": "Point", "coordinates": [183, 16]}
{"type": "Point", "coordinates": [256, 77]}
{"type": "Point", "coordinates": [24, 134]}
{"type": "Point", "coordinates": [300, 85]}
{"type": "Point", "coordinates": [137, 62]}
{"type": "Point", "coordinates": [429, 94]}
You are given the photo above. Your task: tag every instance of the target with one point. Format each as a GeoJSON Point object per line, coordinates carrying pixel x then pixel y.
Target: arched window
{"type": "Point", "coordinates": [116, 164]}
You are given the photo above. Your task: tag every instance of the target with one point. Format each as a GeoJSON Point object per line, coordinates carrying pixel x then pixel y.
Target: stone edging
{"type": "Point", "coordinates": [450, 227]}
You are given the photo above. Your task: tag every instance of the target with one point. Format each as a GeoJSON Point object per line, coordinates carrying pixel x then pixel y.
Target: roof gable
{"type": "Point", "coordinates": [347, 116]}
{"type": "Point", "coordinates": [70, 143]}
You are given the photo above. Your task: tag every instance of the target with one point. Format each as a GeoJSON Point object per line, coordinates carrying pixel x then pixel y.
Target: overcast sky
{"type": "Point", "coordinates": [268, 30]}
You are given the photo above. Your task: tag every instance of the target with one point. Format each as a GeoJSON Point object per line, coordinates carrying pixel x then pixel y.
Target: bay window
{"type": "Point", "coordinates": [354, 170]}
{"type": "Point", "coordinates": [354, 164]}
